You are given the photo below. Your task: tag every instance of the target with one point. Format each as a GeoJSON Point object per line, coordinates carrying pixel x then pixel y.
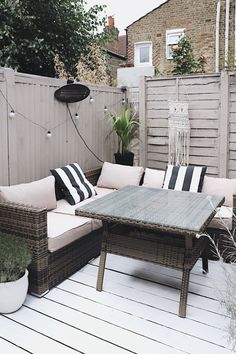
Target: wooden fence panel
{"type": "Point", "coordinates": [203, 96]}
{"type": "Point", "coordinates": [212, 114]}
{"type": "Point", "coordinates": [31, 153]}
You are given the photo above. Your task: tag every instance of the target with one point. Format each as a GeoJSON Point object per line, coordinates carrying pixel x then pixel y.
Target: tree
{"type": "Point", "coordinates": [93, 67]}
{"type": "Point", "coordinates": [33, 32]}
{"type": "Point", "coordinates": [184, 60]}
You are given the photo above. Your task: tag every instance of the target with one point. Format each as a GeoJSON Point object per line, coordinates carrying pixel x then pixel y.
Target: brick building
{"type": "Point", "coordinates": [150, 38]}
{"type": "Point", "coordinates": [116, 49]}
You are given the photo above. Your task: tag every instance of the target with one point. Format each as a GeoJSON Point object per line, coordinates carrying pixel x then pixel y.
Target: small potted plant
{"type": "Point", "coordinates": [14, 260]}
{"type": "Point", "coordinates": [125, 126]}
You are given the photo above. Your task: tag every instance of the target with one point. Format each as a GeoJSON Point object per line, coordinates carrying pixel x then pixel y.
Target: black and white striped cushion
{"type": "Point", "coordinates": [71, 181]}
{"type": "Point", "coordinates": [184, 178]}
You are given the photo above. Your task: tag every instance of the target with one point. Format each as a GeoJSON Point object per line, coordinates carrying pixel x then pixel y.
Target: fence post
{"type": "Point", "coordinates": [143, 122]}
{"type": "Point", "coordinates": [224, 124]}
{"type": "Point", "coordinates": [9, 76]}
{"type": "Point", "coordinates": [4, 155]}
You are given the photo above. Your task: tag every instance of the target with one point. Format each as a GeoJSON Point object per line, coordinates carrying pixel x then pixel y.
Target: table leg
{"type": "Point", "coordinates": [184, 293]}
{"type": "Point", "coordinates": [204, 261]}
{"type": "Point", "coordinates": [103, 256]}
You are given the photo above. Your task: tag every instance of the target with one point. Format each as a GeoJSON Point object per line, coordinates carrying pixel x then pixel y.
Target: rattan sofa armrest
{"type": "Point", "coordinates": [23, 221]}
{"type": "Point", "coordinates": [30, 224]}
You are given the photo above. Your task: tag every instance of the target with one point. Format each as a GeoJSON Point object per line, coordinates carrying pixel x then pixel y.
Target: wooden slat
{"type": "Point", "coordinates": [156, 164]}
{"type": "Point", "coordinates": [30, 339]}
{"type": "Point", "coordinates": [57, 328]}
{"type": "Point", "coordinates": [157, 157]}
{"type": "Point", "coordinates": [158, 131]}
{"type": "Point", "coordinates": [203, 142]}
{"type": "Point", "coordinates": [10, 348]}
{"type": "Point", "coordinates": [98, 328]}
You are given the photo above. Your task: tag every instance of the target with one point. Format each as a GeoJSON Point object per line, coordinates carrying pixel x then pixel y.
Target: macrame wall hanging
{"type": "Point", "coordinates": [179, 133]}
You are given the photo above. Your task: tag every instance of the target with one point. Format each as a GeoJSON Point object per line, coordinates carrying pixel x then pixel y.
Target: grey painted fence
{"type": "Point", "coordinates": [26, 152]}
{"type": "Point", "coordinates": [212, 114]}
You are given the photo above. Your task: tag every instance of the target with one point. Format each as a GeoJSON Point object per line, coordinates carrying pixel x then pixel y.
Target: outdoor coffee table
{"type": "Point", "coordinates": [154, 225]}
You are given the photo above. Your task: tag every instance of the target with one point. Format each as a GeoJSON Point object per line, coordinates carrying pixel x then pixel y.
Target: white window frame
{"type": "Point", "coordinates": [137, 47]}
{"type": "Point", "coordinates": [177, 31]}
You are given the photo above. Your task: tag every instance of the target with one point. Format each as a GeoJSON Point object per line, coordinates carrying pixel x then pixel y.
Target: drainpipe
{"type": "Point", "coordinates": [126, 43]}
{"type": "Point", "coordinates": [227, 34]}
{"type": "Point", "coordinates": [217, 36]}
{"type": "Point", "coordinates": [235, 34]}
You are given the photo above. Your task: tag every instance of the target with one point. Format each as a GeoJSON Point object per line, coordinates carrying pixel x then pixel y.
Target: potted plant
{"type": "Point", "coordinates": [14, 260]}
{"type": "Point", "coordinates": [125, 125]}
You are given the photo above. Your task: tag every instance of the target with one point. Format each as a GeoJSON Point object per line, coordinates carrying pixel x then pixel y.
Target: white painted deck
{"type": "Point", "coordinates": [135, 313]}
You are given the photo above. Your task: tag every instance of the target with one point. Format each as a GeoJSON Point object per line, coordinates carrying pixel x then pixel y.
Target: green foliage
{"type": "Point", "coordinates": [184, 60]}
{"type": "Point", "coordinates": [33, 32]}
{"type": "Point", "coordinates": [94, 67]}
{"type": "Point", "coordinates": [125, 125]}
{"type": "Point", "coordinates": [14, 258]}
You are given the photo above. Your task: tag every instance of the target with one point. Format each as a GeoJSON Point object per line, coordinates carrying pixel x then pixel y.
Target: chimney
{"type": "Point", "coordinates": [111, 22]}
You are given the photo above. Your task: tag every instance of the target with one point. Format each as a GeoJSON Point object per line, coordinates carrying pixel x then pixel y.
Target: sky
{"type": "Point", "coordinates": [126, 11]}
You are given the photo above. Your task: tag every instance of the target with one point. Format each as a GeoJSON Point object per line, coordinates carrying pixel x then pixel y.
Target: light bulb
{"type": "Point", "coordinates": [105, 109]}
{"type": "Point", "coordinates": [123, 101]}
{"type": "Point", "coordinates": [76, 116]}
{"type": "Point", "coordinates": [12, 114]}
{"type": "Point", "coordinates": [91, 100]}
{"type": "Point", "coordinates": [49, 134]}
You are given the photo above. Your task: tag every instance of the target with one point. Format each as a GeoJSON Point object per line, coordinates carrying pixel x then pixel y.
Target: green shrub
{"type": "Point", "coordinates": [14, 258]}
{"type": "Point", "coordinates": [183, 59]}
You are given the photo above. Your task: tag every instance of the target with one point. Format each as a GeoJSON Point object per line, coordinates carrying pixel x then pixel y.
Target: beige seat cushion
{"type": "Point", "coordinates": [153, 178]}
{"type": "Point", "coordinates": [63, 207]}
{"type": "Point", "coordinates": [39, 193]}
{"type": "Point", "coordinates": [64, 229]}
{"type": "Point", "coordinates": [223, 219]}
{"type": "Point", "coordinates": [119, 176]}
{"type": "Point", "coordinates": [220, 186]}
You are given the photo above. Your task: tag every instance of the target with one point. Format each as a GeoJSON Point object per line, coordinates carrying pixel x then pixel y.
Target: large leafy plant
{"type": "Point", "coordinates": [125, 126]}
{"type": "Point", "coordinates": [184, 62]}
{"type": "Point", "coordinates": [14, 258]}
{"type": "Point", "coordinates": [32, 32]}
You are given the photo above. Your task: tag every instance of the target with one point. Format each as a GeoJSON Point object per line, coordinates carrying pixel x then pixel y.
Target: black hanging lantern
{"type": "Point", "coordinates": [72, 93]}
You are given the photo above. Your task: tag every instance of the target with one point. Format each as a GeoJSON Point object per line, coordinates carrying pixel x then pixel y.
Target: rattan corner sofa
{"type": "Point", "coordinates": [53, 261]}
{"type": "Point", "coordinates": [48, 268]}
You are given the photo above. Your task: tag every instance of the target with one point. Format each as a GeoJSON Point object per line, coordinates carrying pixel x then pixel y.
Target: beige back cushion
{"type": "Point", "coordinates": [153, 178]}
{"type": "Point", "coordinates": [220, 186]}
{"type": "Point", "coordinates": [118, 176]}
{"type": "Point", "coordinates": [39, 193]}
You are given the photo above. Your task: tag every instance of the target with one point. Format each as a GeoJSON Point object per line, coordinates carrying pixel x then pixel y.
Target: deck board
{"type": "Point", "coordinates": [135, 313]}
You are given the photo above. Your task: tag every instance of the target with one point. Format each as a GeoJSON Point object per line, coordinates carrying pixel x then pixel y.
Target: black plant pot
{"type": "Point", "coordinates": [125, 159]}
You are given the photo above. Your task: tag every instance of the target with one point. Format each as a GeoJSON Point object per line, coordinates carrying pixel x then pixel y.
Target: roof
{"type": "Point", "coordinates": [165, 1]}
{"type": "Point", "coordinates": [117, 47]}
{"type": "Point", "coordinates": [122, 45]}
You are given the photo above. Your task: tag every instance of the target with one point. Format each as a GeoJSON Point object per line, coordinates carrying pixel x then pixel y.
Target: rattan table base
{"type": "Point", "coordinates": [166, 249]}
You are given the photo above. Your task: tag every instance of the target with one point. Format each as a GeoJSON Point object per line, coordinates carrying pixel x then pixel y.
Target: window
{"type": "Point", "coordinates": [143, 54]}
{"type": "Point", "coordinates": [172, 38]}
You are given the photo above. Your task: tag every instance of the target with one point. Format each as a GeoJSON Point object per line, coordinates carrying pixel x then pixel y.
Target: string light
{"type": "Point", "coordinates": [12, 114]}
{"type": "Point", "coordinates": [49, 134]}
